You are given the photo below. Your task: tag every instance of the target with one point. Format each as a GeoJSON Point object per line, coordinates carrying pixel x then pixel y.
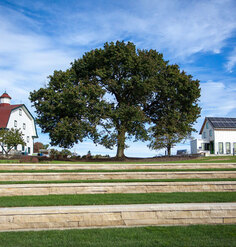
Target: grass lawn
{"type": "Point", "coordinates": [118, 181]}
{"type": "Point", "coordinates": [8, 161]}
{"type": "Point", "coordinates": [112, 199]}
{"type": "Point", "coordinates": [213, 159]}
{"type": "Point", "coordinates": [171, 236]}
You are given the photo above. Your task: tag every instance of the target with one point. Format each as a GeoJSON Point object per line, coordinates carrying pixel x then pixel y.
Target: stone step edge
{"type": "Point", "coordinates": [95, 216]}
{"type": "Point", "coordinates": [66, 166]}
{"type": "Point", "coordinates": [104, 188]}
{"type": "Point", "coordinates": [114, 175]}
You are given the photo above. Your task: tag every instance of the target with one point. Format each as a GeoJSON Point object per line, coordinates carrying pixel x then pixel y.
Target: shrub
{"type": "Point", "coordinates": [29, 159]}
{"type": "Point", "coordinates": [65, 153]}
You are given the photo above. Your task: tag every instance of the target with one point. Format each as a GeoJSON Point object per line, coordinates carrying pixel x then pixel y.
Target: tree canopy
{"type": "Point", "coordinates": [173, 108]}
{"type": "Point", "coordinates": [109, 95]}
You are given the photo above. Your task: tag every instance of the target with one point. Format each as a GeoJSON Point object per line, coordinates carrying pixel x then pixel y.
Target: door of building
{"type": "Point", "coordinates": [212, 151]}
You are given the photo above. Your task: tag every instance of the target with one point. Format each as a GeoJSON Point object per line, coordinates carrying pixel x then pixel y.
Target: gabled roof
{"type": "Point", "coordinates": [5, 112]}
{"type": "Point", "coordinates": [220, 123]}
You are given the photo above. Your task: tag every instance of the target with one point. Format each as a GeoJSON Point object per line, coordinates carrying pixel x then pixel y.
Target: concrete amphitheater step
{"type": "Point", "coordinates": [87, 166]}
{"type": "Point", "coordinates": [102, 188]}
{"type": "Point", "coordinates": [68, 217]}
{"type": "Point", "coordinates": [114, 175]}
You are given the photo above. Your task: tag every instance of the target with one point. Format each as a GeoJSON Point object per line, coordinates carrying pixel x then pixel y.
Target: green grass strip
{"type": "Point", "coordinates": [168, 236]}
{"type": "Point", "coordinates": [118, 181]}
{"type": "Point", "coordinates": [133, 170]}
{"type": "Point", "coordinates": [214, 159]}
{"type": "Point", "coordinates": [110, 199]}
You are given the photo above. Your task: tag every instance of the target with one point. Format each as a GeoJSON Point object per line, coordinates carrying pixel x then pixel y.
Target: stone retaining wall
{"type": "Point", "coordinates": [67, 217]}
{"type": "Point", "coordinates": [114, 175]}
{"type": "Point", "coordinates": [88, 166]}
{"type": "Point", "coordinates": [102, 188]}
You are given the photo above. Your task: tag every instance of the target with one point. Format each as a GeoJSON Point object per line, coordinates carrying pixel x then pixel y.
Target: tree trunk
{"type": "Point", "coordinates": [169, 150]}
{"type": "Point", "coordinates": [120, 144]}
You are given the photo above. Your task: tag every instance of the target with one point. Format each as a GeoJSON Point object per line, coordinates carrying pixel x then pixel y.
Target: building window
{"type": "Point", "coordinates": [27, 138]}
{"type": "Point", "coordinates": [203, 146]}
{"type": "Point", "coordinates": [234, 148]}
{"type": "Point", "coordinates": [204, 134]}
{"type": "Point", "coordinates": [23, 148]}
{"type": "Point", "coordinates": [210, 133]}
{"type": "Point", "coordinates": [207, 125]}
{"type": "Point", "coordinates": [228, 148]}
{"type": "Point", "coordinates": [28, 150]}
{"type": "Point", "coordinates": [24, 126]}
{"type": "Point", "coordinates": [15, 123]}
{"type": "Point", "coordinates": [20, 112]}
{"type": "Point", "coordinates": [221, 148]}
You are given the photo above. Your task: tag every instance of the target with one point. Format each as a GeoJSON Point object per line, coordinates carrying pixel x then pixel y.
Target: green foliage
{"type": "Point", "coordinates": [173, 108]}
{"type": "Point", "coordinates": [110, 95]}
{"type": "Point", "coordinates": [65, 153]}
{"type": "Point", "coordinates": [45, 146]}
{"type": "Point", "coordinates": [10, 138]}
{"type": "Point", "coordinates": [54, 154]}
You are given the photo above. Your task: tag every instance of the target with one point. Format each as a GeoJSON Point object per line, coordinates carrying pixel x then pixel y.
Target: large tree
{"type": "Point", "coordinates": [105, 96]}
{"type": "Point", "coordinates": [173, 108]}
{"type": "Point", "coordinates": [10, 138]}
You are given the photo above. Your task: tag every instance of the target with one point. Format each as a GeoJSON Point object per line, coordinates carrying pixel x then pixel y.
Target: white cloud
{"type": "Point", "coordinates": [231, 61]}
{"type": "Point", "coordinates": [177, 27]}
{"type": "Point", "coordinates": [217, 99]}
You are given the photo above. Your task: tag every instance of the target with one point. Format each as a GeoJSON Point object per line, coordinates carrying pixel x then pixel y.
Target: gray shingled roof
{"type": "Point", "coordinates": [222, 122]}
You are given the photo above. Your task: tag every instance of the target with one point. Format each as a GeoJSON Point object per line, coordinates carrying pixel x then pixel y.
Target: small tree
{"type": "Point", "coordinates": [10, 138]}
{"type": "Point", "coordinates": [40, 145]}
{"type": "Point", "coordinates": [37, 146]}
{"type": "Point", "coordinates": [166, 140]}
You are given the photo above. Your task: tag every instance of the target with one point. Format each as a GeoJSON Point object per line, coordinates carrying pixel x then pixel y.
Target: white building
{"type": "Point", "coordinates": [18, 117]}
{"type": "Point", "coordinates": [218, 137]}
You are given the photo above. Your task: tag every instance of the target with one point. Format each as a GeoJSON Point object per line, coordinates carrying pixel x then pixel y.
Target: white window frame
{"type": "Point", "coordinates": [24, 126]}
{"type": "Point", "coordinates": [20, 112]}
{"type": "Point", "coordinates": [27, 138]}
{"type": "Point", "coordinates": [228, 147]}
{"type": "Point", "coordinates": [221, 143]}
{"type": "Point", "coordinates": [15, 123]}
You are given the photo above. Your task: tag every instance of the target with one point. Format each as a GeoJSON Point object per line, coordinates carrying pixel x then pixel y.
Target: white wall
{"type": "Point", "coordinates": [28, 132]}
{"type": "Point", "coordinates": [224, 136]}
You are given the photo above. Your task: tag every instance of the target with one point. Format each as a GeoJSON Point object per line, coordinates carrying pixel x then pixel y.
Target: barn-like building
{"type": "Point", "coordinates": [18, 117]}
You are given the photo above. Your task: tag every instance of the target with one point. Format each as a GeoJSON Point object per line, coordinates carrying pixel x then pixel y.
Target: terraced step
{"type": "Point", "coordinates": [102, 188]}
{"type": "Point", "coordinates": [88, 166]}
{"type": "Point", "coordinates": [114, 175]}
{"type": "Point", "coordinates": [68, 217]}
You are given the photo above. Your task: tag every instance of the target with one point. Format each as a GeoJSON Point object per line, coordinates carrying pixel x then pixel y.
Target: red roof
{"type": "Point", "coordinates": [5, 112]}
{"type": "Point", "coordinates": [5, 95]}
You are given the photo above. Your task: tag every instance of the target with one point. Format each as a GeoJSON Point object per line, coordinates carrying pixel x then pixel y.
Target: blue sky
{"type": "Point", "coordinates": [38, 37]}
